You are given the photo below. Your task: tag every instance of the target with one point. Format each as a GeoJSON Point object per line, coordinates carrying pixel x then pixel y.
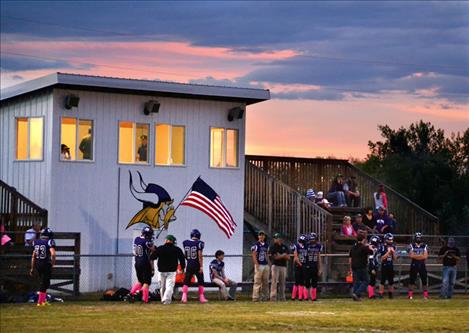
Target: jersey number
{"type": "Point", "coordinates": [138, 250]}
{"type": "Point", "coordinates": [191, 252]}
{"type": "Point", "coordinates": [41, 251]}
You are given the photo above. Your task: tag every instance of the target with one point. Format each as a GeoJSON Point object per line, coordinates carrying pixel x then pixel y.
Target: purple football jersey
{"type": "Point", "coordinates": [313, 254]}
{"type": "Point", "coordinates": [142, 249]}
{"type": "Point", "coordinates": [302, 252]}
{"type": "Point", "coordinates": [42, 250]}
{"type": "Point", "coordinates": [191, 251]}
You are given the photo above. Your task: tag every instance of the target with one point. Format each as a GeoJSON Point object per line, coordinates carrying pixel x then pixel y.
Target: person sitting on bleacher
{"type": "Point", "coordinates": [347, 228]}
{"type": "Point", "coordinates": [336, 193]}
{"type": "Point", "coordinates": [383, 223]}
{"type": "Point", "coordinates": [321, 201]}
{"type": "Point", "coordinates": [310, 194]}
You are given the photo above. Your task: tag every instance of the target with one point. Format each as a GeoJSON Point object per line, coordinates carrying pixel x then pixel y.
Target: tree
{"type": "Point", "coordinates": [428, 167]}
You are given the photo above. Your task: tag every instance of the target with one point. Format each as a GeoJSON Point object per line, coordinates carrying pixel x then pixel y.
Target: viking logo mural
{"type": "Point", "coordinates": [158, 210]}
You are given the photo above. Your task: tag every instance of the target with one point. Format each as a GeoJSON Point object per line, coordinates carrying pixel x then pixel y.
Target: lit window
{"type": "Point", "coordinates": [29, 138]}
{"type": "Point", "coordinates": [76, 139]}
{"type": "Point", "coordinates": [170, 145]}
{"type": "Point", "coordinates": [223, 148]}
{"type": "Point", "coordinates": [133, 142]}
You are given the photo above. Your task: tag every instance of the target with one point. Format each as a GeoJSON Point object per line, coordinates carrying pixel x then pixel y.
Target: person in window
{"type": "Point", "coordinates": [336, 193]}
{"type": "Point", "coordinates": [64, 152]}
{"type": "Point", "coordinates": [142, 151]}
{"type": "Point", "coordinates": [381, 199]}
{"type": "Point", "coordinates": [86, 146]}
{"type": "Point", "coordinates": [347, 228]}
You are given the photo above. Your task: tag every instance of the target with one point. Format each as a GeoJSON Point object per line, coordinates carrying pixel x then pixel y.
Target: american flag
{"type": "Point", "coordinates": [205, 199]}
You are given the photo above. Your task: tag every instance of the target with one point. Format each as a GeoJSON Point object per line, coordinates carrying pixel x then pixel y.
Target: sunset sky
{"type": "Point", "coordinates": [335, 70]}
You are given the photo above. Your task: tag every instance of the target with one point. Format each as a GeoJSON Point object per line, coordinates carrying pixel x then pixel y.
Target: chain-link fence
{"type": "Point", "coordinates": [97, 273]}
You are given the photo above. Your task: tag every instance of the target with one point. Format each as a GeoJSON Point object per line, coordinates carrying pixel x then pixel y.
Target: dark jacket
{"type": "Point", "coordinates": [168, 256]}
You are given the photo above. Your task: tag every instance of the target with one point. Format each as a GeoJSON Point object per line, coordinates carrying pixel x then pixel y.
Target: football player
{"type": "Point", "coordinates": [193, 250]}
{"type": "Point", "coordinates": [312, 267]}
{"type": "Point", "coordinates": [388, 257]}
{"type": "Point", "coordinates": [143, 246]}
{"type": "Point", "coordinates": [260, 260]}
{"type": "Point", "coordinates": [373, 265]}
{"type": "Point", "coordinates": [300, 251]}
{"type": "Point", "coordinates": [43, 259]}
{"type": "Point", "coordinates": [418, 252]}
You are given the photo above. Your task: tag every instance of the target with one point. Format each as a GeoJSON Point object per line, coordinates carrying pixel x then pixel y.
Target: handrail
{"type": "Point", "coordinates": [304, 173]}
{"type": "Point", "coordinates": [363, 173]}
{"type": "Point", "coordinates": [281, 208]}
{"type": "Point", "coordinates": [20, 196]}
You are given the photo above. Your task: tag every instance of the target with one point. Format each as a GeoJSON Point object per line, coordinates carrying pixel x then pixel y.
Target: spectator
{"type": "Point", "coordinates": [450, 255]}
{"type": "Point", "coordinates": [5, 239]}
{"type": "Point", "coordinates": [86, 145]}
{"type": "Point", "coordinates": [392, 224]}
{"type": "Point", "coordinates": [382, 221]}
{"type": "Point", "coordinates": [352, 194]}
{"type": "Point", "coordinates": [260, 260]}
{"type": "Point", "coordinates": [381, 200]}
{"type": "Point", "coordinates": [347, 228]}
{"type": "Point", "coordinates": [336, 193]}
{"type": "Point", "coordinates": [321, 201]}
{"type": "Point", "coordinates": [369, 220]}
{"type": "Point", "coordinates": [280, 256]}
{"type": "Point", "coordinates": [31, 234]}
{"type": "Point", "coordinates": [64, 152]}
{"type": "Point", "coordinates": [143, 149]}
{"type": "Point", "coordinates": [359, 226]}
{"type": "Point", "coordinates": [358, 264]}
{"type": "Point", "coordinates": [217, 275]}
{"type": "Point", "coordinates": [168, 256]}
{"type": "Point", "coordinates": [310, 194]}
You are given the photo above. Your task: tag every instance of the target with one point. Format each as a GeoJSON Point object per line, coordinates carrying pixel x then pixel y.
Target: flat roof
{"type": "Point", "coordinates": [133, 86]}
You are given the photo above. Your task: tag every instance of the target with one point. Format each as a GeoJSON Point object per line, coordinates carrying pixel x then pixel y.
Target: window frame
{"type": "Point", "coordinates": [224, 148]}
{"type": "Point", "coordinates": [76, 140]}
{"type": "Point", "coordinates": [28, 139]}
{"type": "Point", "coordinates": [170, 150]}
{"type": "Point", "coordinates": [134, 150]}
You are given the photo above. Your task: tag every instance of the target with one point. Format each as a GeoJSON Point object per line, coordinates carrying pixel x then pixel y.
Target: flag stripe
{"type": "Point", "coordinates": [194, 204]}
{"type": "Point", "coordinates": [219, 203]}
{"type": "Point", "coordinates": [218, 200]}
{"type": "Point", "coordinates": [212, 204]}
{"type": "Point", "coordinates": [205, 199]}
{"type": "Point", "coordinates": [208, 205]}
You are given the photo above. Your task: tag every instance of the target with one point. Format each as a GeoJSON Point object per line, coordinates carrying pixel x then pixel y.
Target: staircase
{"type": "Point", "coordinates": [18, 214]}
{"type": "Point", "coordinates": [273, 206]}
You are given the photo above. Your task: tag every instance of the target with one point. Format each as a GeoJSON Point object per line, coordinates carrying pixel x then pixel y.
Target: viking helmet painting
{"type": "Point", "coordinates": [155, 213]}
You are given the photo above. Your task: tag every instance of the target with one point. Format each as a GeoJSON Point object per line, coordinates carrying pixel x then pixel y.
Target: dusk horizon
{"type": "Point", "coordinates": [335, 70]}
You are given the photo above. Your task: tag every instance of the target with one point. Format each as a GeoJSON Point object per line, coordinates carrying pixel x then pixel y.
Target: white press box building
{"type": "Point", "coordinates": [69, 141]}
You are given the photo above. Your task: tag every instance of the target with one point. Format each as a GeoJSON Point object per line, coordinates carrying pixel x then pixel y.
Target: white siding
{"type": "Point", "coordinates": [31, 178]}
{"type": "Point", "coordinates": [85, 195]}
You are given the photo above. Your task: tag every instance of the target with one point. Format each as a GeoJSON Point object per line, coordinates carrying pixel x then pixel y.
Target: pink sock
{"type": "Point", "coordinates": [371, 291]}
{"type": "Point", "coordinates": [305, 293]}
{"type": "Point", "coordinates": [410, 293]}
{"type": "Point", "coordinates": [136, 288]}
{"type": "Point", "coordinates": [425, 293]}
{"type": "Point", "coordinates": [201, 290]}
{"type": "Point", "coordinates": [293, 293]}
{"type": "Point", "coordinates": [313, 294]}
{"type": "Point", "coordinates": [300, 292]}
{"type": "Point", "coordinates": [145, 295]}
{"type": "Point", "coordinates": [41, 298]}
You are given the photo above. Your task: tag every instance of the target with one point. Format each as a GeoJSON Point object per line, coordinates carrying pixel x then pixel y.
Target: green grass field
{"type": "Point", "coordinates": [328, 315]}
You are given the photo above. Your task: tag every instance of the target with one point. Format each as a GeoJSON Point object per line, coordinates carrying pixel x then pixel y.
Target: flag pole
{"type": "Point", "coordinates": [175, 209]}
